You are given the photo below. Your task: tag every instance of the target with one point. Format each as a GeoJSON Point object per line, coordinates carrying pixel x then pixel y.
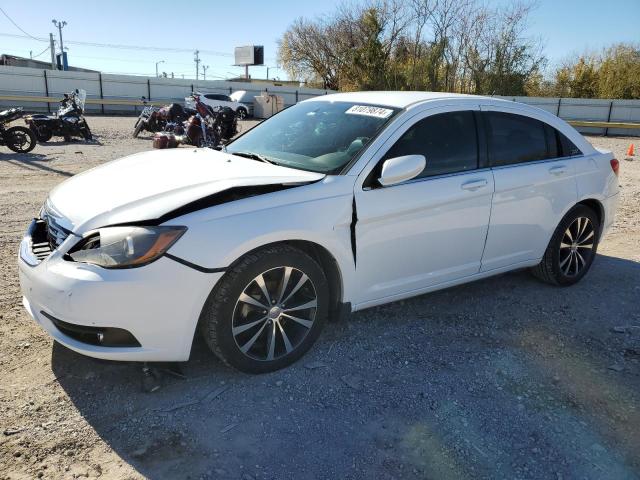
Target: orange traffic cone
{"type": "Point", "coordinates": [630, 152]}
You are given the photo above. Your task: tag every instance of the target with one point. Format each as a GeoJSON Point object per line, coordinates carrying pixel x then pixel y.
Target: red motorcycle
{"type": "Point", "coordinates": [154, 119]}
{"type": "Point", "coordinates": [206, 128]}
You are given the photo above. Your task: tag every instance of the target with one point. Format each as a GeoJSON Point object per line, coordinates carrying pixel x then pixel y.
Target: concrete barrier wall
{"type": "Point", "coordinates": [590, 109]}
{"type": "Point", "coordinates": [54, 83]}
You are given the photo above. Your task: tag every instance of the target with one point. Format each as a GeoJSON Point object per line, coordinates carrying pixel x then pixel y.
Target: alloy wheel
{"type": "Point", "coordinates": [274, 313]}
{"type": "Point", "coordinates": [576, 247]}
{"type": "Point", "coordinates": [20, 140]}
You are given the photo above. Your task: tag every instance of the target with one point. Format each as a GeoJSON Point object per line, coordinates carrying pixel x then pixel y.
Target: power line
{"type": "Point", "coordinates": [131, 47]}
{"type": "Point", "coordinates": [36, 56]}
{"type": "Point", "coordinates": [127, 47]}
{"type": "Point", "coordinates": [19, 28]}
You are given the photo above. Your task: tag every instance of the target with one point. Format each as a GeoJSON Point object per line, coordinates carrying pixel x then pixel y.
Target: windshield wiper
{"type": "Point", "coordinates": [254, 156]}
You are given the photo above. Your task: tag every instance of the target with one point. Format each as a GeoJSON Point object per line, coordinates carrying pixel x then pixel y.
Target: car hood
{"type": "Point", "coordinates": [147, 185]}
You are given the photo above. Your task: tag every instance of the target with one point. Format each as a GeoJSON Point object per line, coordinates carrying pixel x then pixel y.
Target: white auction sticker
{"type": "Point", "coordinates": [369, 111]}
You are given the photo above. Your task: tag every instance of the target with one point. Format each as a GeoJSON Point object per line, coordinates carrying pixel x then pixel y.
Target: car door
{"type": "Point", "coordinates": [213, 100]}
{"type": "Point", "coordinates": [534, 186]}
{"type": "Point", "coordinates": [226, 101]}
{"type": "Point", "coordinates": [429, 230]}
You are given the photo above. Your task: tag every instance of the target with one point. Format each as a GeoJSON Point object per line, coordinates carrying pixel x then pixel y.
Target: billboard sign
{"type": "Point", "coordinates": [249, 55]}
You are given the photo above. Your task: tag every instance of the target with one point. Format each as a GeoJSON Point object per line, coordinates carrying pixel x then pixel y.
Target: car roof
{"type": "Point", "coordinates": [394, 99]}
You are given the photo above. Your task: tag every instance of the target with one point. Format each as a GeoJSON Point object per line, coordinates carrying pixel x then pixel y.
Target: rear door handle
{"type": "Point", "coordinates": [559, 170]}
{"type": "Point", "coordinates": [474, 184]}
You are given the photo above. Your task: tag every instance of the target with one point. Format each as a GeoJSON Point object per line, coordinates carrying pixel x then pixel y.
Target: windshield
{"type": "Point", "coordinates": [81, 96]}
{"type": "Point", "coordinates": [73, 100]}
{"type": "Point", "coordinates": [317, 136]}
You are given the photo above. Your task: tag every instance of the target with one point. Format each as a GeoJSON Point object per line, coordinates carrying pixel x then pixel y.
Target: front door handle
{"type": "Point", "coordinates": [559, 170]}
{"type": "Point", "coordinates": [474, 184]}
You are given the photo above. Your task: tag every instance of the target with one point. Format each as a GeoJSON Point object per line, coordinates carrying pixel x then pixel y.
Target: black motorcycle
{"type": "Point", "coordinates": [155, 119]}
{"type": "Point", "coordinates": [18, 139]}
{"type": "Point", "coordinates": [226, 123]}
{"type": "Point", "coordinates": [68, 122]}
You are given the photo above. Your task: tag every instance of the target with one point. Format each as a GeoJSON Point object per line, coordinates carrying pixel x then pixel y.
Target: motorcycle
{"type": "Point", "coordinates": [17, 138]}
{"type": "Point", "coordinates": [204, 129]}
{"type": "Point", "coordinates": [154, 119]}
{"type": "Point", "coordinates": [226, 123]}
{"type": "Point", "coordinates": [69, 121]}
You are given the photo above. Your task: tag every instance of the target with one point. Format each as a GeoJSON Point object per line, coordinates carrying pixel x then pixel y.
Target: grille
{"type": "Point", "coordinates": [56, 234]}
{"type": "Point", "coordinates": [40, 245]}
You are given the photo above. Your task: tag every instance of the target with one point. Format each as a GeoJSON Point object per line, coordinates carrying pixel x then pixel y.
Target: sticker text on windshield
{"type": "Point", "coordinates": [369, 111]}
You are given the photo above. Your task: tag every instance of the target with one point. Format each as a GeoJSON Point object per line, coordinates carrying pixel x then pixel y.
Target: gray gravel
{"type": "Point", "coordinates": [502, 378]}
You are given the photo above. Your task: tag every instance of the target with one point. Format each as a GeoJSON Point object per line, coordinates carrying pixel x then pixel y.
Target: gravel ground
{"type": "Point", "coordinates": [502, 378]}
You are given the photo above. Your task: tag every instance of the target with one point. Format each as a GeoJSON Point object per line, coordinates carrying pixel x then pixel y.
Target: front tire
{"type": "Point", "coordinates": [241, 113]}
{"type": "Point", "coordinates": [572, 248]}
{"type": "Point", "coordinates": [86, 133]}
{"type": "Point", "coordinates": [138, 128]}
{"type": "Point", "coordinates": [267, 311]}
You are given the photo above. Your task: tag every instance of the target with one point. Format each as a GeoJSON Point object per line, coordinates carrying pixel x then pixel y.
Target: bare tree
{"type": "Point", "coordinates": [453, 45]}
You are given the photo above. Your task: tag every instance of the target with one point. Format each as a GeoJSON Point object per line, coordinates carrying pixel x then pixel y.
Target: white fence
{"type": "Point", "coordinates": [54, 83]}
{"type": "Point", "coordinates": [590, 109]}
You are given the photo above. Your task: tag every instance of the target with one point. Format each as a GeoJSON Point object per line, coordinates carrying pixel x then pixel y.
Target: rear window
{"type": "Point", "coordinates": [567, 147]}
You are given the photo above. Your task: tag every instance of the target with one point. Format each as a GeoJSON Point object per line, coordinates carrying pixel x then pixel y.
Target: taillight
{"type": "Point", "coordinates": [615, 166]}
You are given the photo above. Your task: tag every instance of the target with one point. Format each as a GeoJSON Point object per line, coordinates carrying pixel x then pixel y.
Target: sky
{"type": "Point", "coordinates": [566, 27]}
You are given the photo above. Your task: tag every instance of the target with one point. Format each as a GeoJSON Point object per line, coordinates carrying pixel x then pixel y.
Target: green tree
{"type": "Point", "coordinates": [619, 72]}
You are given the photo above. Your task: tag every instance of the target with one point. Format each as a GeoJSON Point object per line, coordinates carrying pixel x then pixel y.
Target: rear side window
{"type": "Point", "coordinates": [447, 140]}
{"type": "Point", "coordinates": [567, 147]}
{"type": "Point", "coordinates": [515, 139]}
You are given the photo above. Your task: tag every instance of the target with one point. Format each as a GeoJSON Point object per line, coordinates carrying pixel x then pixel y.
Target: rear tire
{"type": "Point", "coordinates": [253, 323]}
{"type": "Point", "coordinates": [572, 248]}
{"type": "Point", "coordinates": [20, 139]}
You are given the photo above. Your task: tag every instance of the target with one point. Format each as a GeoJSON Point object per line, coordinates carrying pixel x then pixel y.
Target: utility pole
{"type": "Point", "coordinates": [196, 59]}
{"type": "Point", "coordinates": [60, 25]}
{"type": "Point", "coordinates": [158, 63]}
{"type": "Point", "coordinates": [52, 49]}
{"type": "Point", "coordinates": [204, 71]}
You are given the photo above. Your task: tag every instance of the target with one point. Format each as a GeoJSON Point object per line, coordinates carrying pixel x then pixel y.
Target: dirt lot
{"type": "Point", "coordinates": [502, 378]}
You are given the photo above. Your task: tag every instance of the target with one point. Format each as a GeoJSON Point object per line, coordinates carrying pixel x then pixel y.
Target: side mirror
{"type": "Point", "coordinates": [400, 169]}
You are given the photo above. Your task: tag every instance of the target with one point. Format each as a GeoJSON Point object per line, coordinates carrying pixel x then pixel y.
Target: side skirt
{"type": "Point", "coordinates": [440, 286]}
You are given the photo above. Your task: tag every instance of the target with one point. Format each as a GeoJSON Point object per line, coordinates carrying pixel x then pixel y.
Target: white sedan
{"type": "Point", "coordinates": [337, 204]}
{"type": "Point", "coordinates": [233, 101]}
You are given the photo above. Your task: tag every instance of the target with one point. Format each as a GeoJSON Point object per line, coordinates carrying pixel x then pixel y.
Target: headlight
{"type": "Point", "coordinates": [126, 247]}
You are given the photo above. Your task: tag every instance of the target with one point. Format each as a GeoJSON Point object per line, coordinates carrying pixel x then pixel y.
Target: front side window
{"type": "Point", "coordinates": [448, 141]}
{"type": "Point", "coordinates": [515, 139]}
{"type": "Point", "coordinates": [319, 136]}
